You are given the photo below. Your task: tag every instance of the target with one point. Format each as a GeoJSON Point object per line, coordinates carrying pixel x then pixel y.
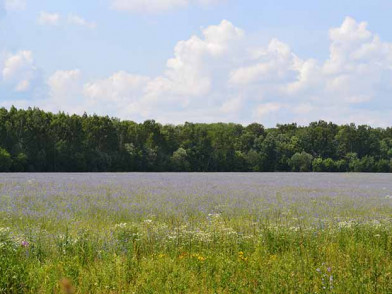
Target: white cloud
{"type": "Point", "coordinates": [197, 62]}
{"type": "Point", "coordinates": [267, 108]}
{"type": "Point", "coordinates": [79, 21]}
{"type": "Point", "coordinates": [15, 4]}
{"type": "Point", "coordinates": [19, 70]}
{"type": "Point", "coordinates": [154, 6]}
{"type": "Point", "coordinates": [65, 92]}
{"type": "Point", "coordinates": [217, 77]}
{"type": "Point", "coordinates": [54, 19]}
{"type": "Point", "coordinates": [274, 64]}
{"type": "Point", "coordinates": [121, 93]}
{"type": "Point", "coordinates": [46, 18]}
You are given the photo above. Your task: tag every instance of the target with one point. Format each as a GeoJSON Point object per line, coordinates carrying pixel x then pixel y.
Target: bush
{"type": "Point", "coordinates": [341, 165]}
{"type": "Point", "coordinates": [383, 166]}
{"type": "Point", "coordinates": [329, 165]}
{"type": "Point", "coordinates": [317, 165]}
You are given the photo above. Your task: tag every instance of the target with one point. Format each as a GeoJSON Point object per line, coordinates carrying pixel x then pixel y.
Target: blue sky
{"type": "Point", "coordinates": [200, 60]}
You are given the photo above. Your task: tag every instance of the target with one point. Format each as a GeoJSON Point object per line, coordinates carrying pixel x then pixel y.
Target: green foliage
{"type": "Point", "coordinates": [19, 163]}
{"type": "Point", "coordinates": [5, 160]}
{"type": "Point", "coordinates": [301, 162]}
{"type": "Point", "coordinates": [226, 255]}
{"type": "Point", "coordinates": [180, 160]}
{"type": "Point", "coordinates": [328, 165]}
{"type": "Point", "coordinates": [36, 141]}
{"type": "Point", "coordinates": [13, 261]}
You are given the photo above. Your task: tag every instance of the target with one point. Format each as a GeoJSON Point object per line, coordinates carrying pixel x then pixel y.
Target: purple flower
{"type": "Point", "coordinates": [25, 244]}
{"type": "Point", "coordinates": [329, 269]}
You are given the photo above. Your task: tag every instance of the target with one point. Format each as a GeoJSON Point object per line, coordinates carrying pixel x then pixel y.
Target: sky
{"type": "Point", "coordinates": [265, 61]}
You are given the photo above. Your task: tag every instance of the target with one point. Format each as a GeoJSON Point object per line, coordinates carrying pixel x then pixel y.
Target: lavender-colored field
{"type": "Point", "coordinates": [113, 198]}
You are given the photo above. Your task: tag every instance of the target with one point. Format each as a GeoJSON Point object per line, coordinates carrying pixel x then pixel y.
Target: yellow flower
{"type": "Point", "coordinates": [241, 256]}
{"type": "Point", "coordinates": [201, 258]}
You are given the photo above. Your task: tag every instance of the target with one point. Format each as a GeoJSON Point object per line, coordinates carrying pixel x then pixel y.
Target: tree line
{"type": "Point", "coordinates": [36, 141]}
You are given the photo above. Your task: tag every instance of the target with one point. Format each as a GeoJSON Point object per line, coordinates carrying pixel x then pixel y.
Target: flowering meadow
{"type": "Point", "coordinates": [196, 233]}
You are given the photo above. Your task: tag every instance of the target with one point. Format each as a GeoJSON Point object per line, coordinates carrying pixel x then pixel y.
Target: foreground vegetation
{"type": "Point", "coordinates": [80, 234]}
{"type": "Point", "coordinates": [37, 141]}
{"type": "Point", "coordinates": [164, 257]}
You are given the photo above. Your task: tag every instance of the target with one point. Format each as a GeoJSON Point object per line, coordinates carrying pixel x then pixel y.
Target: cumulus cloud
{"type": "Point", "coordinates": [19, 70]}
{"type": "Point", "coordinates": [154, 6]}
{"type": "Point", "coordinates": [65, 87]}
{"type": "Point", "coordinates": [216, 76]}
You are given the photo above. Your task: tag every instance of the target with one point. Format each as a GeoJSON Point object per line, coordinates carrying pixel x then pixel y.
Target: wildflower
{"type": "Point", "coordinates": [294, 229]}
{"type": "Point", "coordinates": [4, 230]}
{"type": "Point", "coordinates": [241, 256]}
{"type": "Point", "coordinates": [25, 244]}
{"type": "Point", "coordinates": [120, 226]}
{"type": "Point", "coordinates": [345, 224]}
{"type": "Point", "coordinates": [201, 258]}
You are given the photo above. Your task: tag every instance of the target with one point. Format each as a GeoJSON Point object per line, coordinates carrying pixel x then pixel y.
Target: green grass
{"type": "Point", "coordinates": [170, 257]}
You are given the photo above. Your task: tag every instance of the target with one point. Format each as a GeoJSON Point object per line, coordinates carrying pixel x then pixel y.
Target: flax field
{"type": "Point", "coordinates": [196, 233]}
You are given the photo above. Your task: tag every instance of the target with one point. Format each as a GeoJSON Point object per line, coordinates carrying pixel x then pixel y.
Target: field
{"type": "Point", "coordinates": [195, 233]}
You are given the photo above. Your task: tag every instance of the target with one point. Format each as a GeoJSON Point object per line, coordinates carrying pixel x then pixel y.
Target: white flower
{"type": "Point", "coordinates": [4, 230]}
{"type": "Point", "coordinates": [120, 226]}
{"type": "Point", "coordinates": [294, 229]}
{"type": "Point", "coordinates": [345, 224]}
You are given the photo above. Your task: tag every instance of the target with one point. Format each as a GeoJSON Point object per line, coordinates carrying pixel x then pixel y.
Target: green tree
{"type": "Point", "coordinates": [301, 162]}
{"type": "Point", "coordinates": [180, 160]}
{"type": "Point", "coordinates": [5, 160]}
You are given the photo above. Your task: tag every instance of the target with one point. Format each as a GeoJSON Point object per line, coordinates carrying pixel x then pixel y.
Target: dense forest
{"type": "Point", "coordinates": [36, 141]}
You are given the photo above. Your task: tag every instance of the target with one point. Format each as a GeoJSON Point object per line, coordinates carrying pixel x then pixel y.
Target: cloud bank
{"type": "Point", "coordinates": [217, 77]}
